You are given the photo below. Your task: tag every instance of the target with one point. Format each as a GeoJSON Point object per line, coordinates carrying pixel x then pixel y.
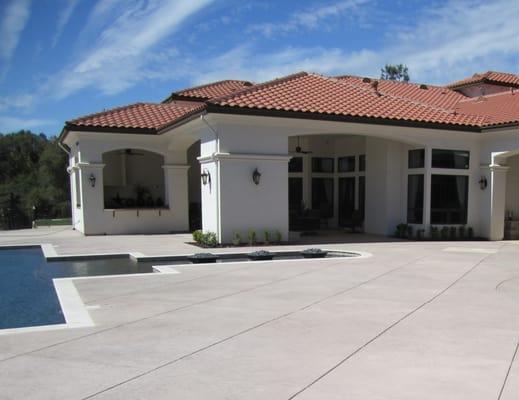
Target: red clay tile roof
{"type": "Point", "coordinates": [498, 78]}
{"type": "Point", "coordinates": [150, 117]}
{"type": "Point", "coordinates": [436, 96]}
{"type": "Point", "coordinates": [498, 109]}
{"type": "Point", "coordinates": [209, 91]}
{"type": "Point", "coordinates": [313, 94]}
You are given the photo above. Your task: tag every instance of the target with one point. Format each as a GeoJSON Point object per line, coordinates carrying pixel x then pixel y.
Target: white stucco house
{"type": "Point", "coordinates": [302, 152]}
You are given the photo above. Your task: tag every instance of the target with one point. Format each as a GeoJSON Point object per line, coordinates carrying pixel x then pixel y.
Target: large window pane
{"type": "Point", "coordinates": [362, 195]}
{"type": "Point", "coordinates": [454, 159]}
{"type": "Point", "coordinates": [416, 158]}
{"type": "Point", "coordinates": [347, 164]}
{"type": "Point", "coordinates": [295, 193]}
{"type": "Point", "coordinates": [322, 164]}
{"type": "Point", "coordinates": [295, 164]}
{"type": "Point", "coordinates": [415, 186]}
{"type": "Point", "coordinates": [449, 199]}
{"type": "Point", "coordinates": [362, 162]}
{"type": "Point", "coordinates": [322, 196]}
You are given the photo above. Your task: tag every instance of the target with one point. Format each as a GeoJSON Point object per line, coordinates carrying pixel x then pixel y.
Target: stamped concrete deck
{"type": "Point", "coordinates": [416, 320]}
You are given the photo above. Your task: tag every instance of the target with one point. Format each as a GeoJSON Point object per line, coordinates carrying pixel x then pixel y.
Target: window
{"type": "Point", "coordinates": [415, 190]}
{"type": "Point", "coordinates": [416, 158]}
{"type": "Point", "coordinates": [322, 196]}
{"type": "Point", "coordinates": [453, 159]}
{"type": "Point", "coordinates": [362, 162]}
{"type": "Point", "coordinates": [295, 193]}
{"type": "Point", "coordinates": [295, 164]}
{"type": "Point", "coordinates": [362, 195]}
{"type": "Point", "coordinates": [347, 164]}
{"type": "Point", "coordinates": [449, 195]}
{"type": "Point", "coordinates": [322, 164]}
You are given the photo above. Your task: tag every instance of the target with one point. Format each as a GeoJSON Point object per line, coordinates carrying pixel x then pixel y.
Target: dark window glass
{"type": "Point", "coordinates": [347, 164]}
{"type": "Point", "coordinates": [322, 196]}
{"type": "Point", "coordinates": [449, 199]}
{"type": "Point", "coordinates": [362, 162]}
{"type": "Point", "coordinates": [346, 200]}
{"type": "Point", "coordinates": [415, 186]}
{"type": "Point", "coordinates": [322, 164]}
{"type": "Point", "coordinates": [295, 164]}
{"type": "Point", "coordinates": [295, 193]}
{"type": "Point", "coordinates": [416, 158]}
{"type": "Point", "coordinates": [362, 195]}
{"type": "Point", "coordinates": [456, 159]}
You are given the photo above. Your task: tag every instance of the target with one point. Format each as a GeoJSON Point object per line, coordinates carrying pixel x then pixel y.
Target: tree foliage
{"type": "Point", "coordinates": [395, 72]}
{"type": "Point", "coordinates": [33, 178]}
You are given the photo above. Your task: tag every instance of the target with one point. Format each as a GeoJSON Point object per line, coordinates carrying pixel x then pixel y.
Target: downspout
{"type": "Point", "coordinates": [217, 166]}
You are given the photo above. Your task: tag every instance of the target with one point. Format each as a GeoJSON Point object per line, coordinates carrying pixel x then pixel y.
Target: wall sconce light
{"type": "Point", "coordinates": [256, 176]}
{"type": "Point", "coordinates": [206, 177]}
{"type": "Point", "coordinates": [483, 183]}
{"type": "Point", "coordinates": [92, 180]}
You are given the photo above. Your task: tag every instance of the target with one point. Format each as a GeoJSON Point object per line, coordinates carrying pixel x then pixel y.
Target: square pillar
{"type": "Point", "coordinates": [493, 213]}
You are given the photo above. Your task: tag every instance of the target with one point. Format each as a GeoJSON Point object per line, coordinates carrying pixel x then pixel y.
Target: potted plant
{"type": "Point", "coordinates": [266, 235]}
{"type": "Point", "coordinates": [260, 255]}
{"type": "Point", "coordinates": [314, 253]}
{"type": "Point", "coordinates": [236, 239]}
{"type": "Point", "coordinates": [202, 258]}
{"type": "Point", "coordinates": [252, 237]}
{"type": "Point", "coordinates": [452, 233]}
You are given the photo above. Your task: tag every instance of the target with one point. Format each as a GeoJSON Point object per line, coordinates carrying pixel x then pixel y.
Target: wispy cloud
{"type": "Point", "coordinates": [443, 44]}
{"type": "Point", "coordinates": [308, 18]}
{"type": "Point", "coordinates": [22, 101]}
{"type": "Point", "coordinates": [14, 19]}
{"type": "Point", "coordinates": [123, 53]}
{"type": "Point", "coordinates": [10, 124]}
{"type": "Point", "coordinates": [63, 19]}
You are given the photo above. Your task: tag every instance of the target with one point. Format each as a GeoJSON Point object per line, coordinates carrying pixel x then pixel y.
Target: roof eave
{"type": "Point", "coordinates": [214, 108]}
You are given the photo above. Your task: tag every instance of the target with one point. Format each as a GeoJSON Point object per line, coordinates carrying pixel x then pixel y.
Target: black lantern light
{"type": "Point", "coordinates": [206, 177]}
{"type": "Point", "coordinates": [483, 183]}
{"type": "Point", "coordinates": [256, 176]}
{"type": "Point", "coordinates": [92, 180]}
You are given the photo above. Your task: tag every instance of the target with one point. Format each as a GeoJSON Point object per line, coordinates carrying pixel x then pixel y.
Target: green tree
{"type": "Point", "coordinates": [395, 72]}
{"type": "Point", "coordinates": [32, 174]}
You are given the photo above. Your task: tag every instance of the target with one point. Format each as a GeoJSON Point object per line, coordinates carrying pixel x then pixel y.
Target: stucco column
{"type": "Point", "coordinates": [495, 204]}
{"type": "Point", "coordinates": [177, 194]}
{"type": "Point", "coordinates": [92, 195]}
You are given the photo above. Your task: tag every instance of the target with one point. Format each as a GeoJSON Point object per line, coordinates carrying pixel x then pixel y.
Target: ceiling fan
{"type": "Point", "coordinates": [130, 152]}
{"type": "Point", "coordinates": [300, 150]}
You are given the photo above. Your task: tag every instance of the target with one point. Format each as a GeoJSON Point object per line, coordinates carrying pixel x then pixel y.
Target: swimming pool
{"type": "Point", "coordinates": [27, 294]}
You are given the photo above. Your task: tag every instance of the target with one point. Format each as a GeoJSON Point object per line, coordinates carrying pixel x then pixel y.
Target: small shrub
{"type": "Point", "coordinates": [266, 235]}
{"type": "Point", "coordinates": [401, 230]}
{"type": "Point", "coordinates": [452, 233]}
{"type": "Point", "coordinates": [252, 237]}
{"type": "Point", "coordinates": [210, 239]}
{"type": "Point", "coordinates": [198, 235]}
{"type": "Point", "coordinates": [470, 233]}
{"type": "Point", "coordinates": [435, 233]}
{"type": "Point", "coordinates": [278, 237]}
{"type": "Point", "coordinates": [444, 233]}
{"type": "Point", "coordinates": [420, 234]}
{"type": "Point", "coordinates": [461, 232]}
{"type": "Point", "coordinates": [236, 239]}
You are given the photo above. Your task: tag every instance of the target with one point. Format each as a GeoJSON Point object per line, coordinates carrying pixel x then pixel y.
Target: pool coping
{"type": "Point", "coordinates": [76, 313]}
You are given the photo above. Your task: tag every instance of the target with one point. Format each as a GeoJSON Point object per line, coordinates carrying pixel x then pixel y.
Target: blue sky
{"type": "Point", "coordinates": [60, 59]}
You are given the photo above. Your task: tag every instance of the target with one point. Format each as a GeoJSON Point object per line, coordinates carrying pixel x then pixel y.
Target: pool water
{"type": "Point", "coordinates": [27, 294]}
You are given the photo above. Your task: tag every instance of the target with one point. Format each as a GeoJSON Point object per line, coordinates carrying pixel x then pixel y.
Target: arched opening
{"type": "Point", "coordinates": [133, 178]}
{"type": "Point", "coordinates": [511, 229]}
{"type": "Point", "coordinates": [194, 194]}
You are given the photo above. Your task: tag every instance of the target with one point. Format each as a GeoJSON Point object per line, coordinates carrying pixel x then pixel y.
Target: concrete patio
{"type": "Point", "coordinates": [417, 320]}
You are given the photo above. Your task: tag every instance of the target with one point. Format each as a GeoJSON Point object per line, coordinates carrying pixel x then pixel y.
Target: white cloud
{"type": "Point", "coordinates": [23, 101]}
{"type": "Point", "coordinates": [444, 44]}
{"type": "Point", "coordinates": [63, 18]}
{"type": "Point", "coordinates": [308, 18]}
{"type": "Point", "coordinates": [12, 24]}
{"type": "Point", "coordinates": [13, 124]}
{"type": "Point", "coordinates": [123, 53]}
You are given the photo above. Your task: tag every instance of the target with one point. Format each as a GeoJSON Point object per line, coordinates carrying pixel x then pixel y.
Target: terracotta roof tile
{"type": "Point", "coordinates": [499, 78]}
{"type": "Point", "coordinates": [209, 91]}
{"type": "Point", "coordinates": [499, 108]}
{"type": "Point", "coordinates": [311, 93]}
{"type": "Point", "coordinates": [146, 116]}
